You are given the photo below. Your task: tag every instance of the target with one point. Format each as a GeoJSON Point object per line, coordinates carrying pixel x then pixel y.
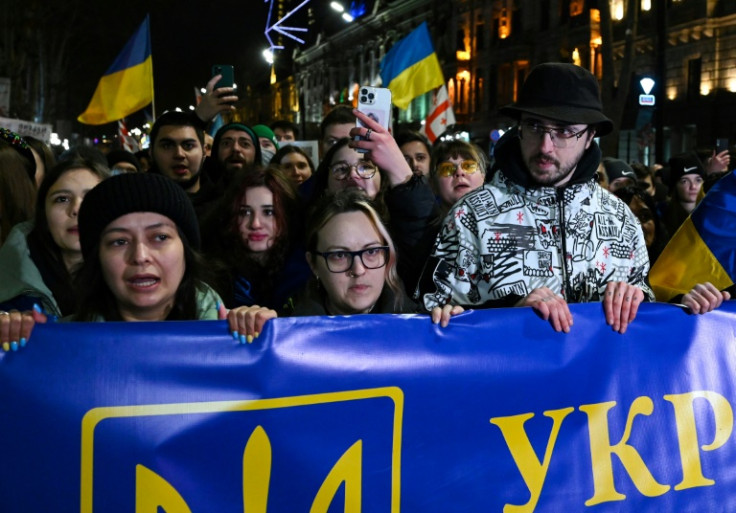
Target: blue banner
{"type": "Point", "coordinates": [374, 413]}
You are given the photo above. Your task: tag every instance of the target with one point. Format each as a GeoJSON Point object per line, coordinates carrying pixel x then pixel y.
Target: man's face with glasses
{"type": "Point", "coordinates": [351, 169]}
{"type": "Point", "coordinates": [552, 149]}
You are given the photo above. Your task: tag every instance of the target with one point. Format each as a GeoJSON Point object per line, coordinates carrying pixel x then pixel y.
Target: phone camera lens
{"type": "Point", "coordinates": [364, 91]}
{"type": "Point", "coordinates": [363, 99]}
{"type": "Point", "coordinates": [370, 95]}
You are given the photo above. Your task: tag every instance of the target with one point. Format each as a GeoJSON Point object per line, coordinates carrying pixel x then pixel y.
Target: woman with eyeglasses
{"type": "Point", "coordinates": [458, 168]}
{"type": "Point", "coordinates": [375, 165]}
{"type": "Point", "coordinates": [353, 259]}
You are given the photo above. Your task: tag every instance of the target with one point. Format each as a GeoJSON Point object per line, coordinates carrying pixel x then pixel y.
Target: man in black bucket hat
{"type": "Point", "coordinates": [542, 232]}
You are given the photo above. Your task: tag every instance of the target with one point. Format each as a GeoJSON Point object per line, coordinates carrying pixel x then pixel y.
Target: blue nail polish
{"type": "Point", "coordinates": [242, 339]}
{"type": "Point", "coordinates": [235, 335]}
{"type": "Point", "coordinates": [37, 308]}
{"type": "Point", "coordinates": [14, 345]}
{"type": "Point", "coordinates": [23, 342]}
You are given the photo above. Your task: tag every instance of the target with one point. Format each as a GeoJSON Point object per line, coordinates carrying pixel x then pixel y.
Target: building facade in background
{"type": "Point", "coordinates": [487, 47]}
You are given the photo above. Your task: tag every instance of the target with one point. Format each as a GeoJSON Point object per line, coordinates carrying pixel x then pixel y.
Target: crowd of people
{"type": "Point", "coordinates": [242, 225]}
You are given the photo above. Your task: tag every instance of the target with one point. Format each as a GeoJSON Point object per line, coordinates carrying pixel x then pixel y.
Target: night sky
{"type": "Point", "coordinates": [187, 38]}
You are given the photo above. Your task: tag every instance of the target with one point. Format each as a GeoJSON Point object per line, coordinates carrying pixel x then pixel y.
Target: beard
{"type": "Point", "coordinates": [552, 177]}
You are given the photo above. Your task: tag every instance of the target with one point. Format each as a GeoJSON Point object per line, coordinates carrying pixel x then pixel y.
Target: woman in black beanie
{"type": "Point", "coordinates": [139, 237]}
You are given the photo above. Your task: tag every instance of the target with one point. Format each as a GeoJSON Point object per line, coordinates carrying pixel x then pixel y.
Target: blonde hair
{"type": "Point", "coordinates": [352, 200]}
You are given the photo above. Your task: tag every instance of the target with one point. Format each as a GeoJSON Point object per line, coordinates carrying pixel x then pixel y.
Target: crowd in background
{"type": "Point", "coordinates": [245, 225]}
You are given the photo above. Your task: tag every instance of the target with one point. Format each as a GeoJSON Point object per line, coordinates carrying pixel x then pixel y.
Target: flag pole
{"type": "Point", "coordinates": [153, 95]}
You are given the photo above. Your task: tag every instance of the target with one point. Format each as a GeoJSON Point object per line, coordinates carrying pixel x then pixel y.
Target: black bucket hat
{"type": "Point", "coordinates": [563, 92]}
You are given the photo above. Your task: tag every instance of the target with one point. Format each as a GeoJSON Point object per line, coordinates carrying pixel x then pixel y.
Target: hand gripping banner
{"type": "Point", "coordinates": [374, 413]}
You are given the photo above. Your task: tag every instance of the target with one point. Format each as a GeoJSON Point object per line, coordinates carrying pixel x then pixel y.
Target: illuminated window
{"type": "Point", "coordinates": [502, 15]}
{"type": "Point", "coordinates": [646, 5]}
{"type": "Point", "coordinates": [617, 9]}
{"type": "Point", "coordinates": [576, 7]}
{"type": "Point", "coordinates": [576, 57]}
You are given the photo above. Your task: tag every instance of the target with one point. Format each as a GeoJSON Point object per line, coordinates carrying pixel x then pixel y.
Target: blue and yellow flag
{"type": "Point", "coordinates": [411, 67]}
{"type": "Point", "coordinates": [127, 86]}
{"type": "Point", "coordinates": [703, 249]}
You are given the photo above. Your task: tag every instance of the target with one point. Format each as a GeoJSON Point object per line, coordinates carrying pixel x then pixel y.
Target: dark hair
{"type": "Point", "coordinates": [95, 299]}
{"type": "Point", "coordinates": [642, 171]}
{"type": "Point", "coordinates": [627, 194]}
{"type": "Point", "coordinates": [44, 152]}
{"type": "Point", "coordinates": [17, 191]}
{"type": "Point", "coordinates": [285, 125]}
{"type": "Point", "coordinates": [286, 150]}
{"type": "Point", "coordinates": [44, 250]}
{"type": "Point", "coordinates": [322, 174]}
{"type": "Point", "coordinates": [117, 156]}
{"type": "Point", "coordinates": [176, 118]}
{"type": "Point", "coordinates": [224, 244]}
{"type": "Point", "coordinates": [339, 115]}
{"type": "Point", "coordinates": [454, 149]}
{"type": "Point", "coordinates": [143, 154]}
{"type": "Point", "coordinates": [83, 153]}
{"type": "Point", "coordinates": [411, 136]}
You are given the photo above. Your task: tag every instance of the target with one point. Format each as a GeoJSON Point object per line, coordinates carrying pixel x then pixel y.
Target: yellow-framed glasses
{"type": "Point", "coordinates": [446, 169]}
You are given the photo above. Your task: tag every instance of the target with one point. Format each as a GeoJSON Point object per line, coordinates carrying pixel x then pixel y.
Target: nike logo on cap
{"type": "Point", "coordinates": [690, 169]}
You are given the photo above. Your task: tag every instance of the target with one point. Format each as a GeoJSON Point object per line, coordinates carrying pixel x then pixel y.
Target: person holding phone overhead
{"type": "Point", "coordinates": [373, 163]}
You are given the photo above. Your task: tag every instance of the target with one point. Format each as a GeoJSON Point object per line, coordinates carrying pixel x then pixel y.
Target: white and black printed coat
{"type": "Point", "coordinates": [509, 237]}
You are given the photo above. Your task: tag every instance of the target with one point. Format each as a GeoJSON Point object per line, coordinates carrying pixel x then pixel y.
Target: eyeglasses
{"type": "Point", "coordinates": [341, 170]}
{"type": "Point", "coordinates": [560, 136]}
{"type": "Point", "coordinates": [341, 261]}
{"type": "Point", "coordinates": [446, 169]}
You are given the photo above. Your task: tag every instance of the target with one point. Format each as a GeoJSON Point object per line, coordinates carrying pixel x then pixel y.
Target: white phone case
{"type": "Point", "coordinates": [375, 102]}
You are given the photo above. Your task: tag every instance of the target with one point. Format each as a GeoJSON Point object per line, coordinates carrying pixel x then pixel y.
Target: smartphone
{"type": "Point", "coordinates": [228, 75]}
{"type": "Point", "coordinates": [721, 144]}
{"type": "Point", "coordinates": [375, 102]}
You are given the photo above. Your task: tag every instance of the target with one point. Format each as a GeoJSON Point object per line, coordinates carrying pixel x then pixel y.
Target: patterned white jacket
{"type": "Point", "coordinates": [505, 239]}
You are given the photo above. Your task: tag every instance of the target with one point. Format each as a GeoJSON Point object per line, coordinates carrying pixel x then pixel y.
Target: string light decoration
{"type": "Point", "coordinates": [280, 28]}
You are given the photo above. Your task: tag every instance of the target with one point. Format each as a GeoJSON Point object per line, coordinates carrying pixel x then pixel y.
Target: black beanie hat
{"type": "Point", "coordinates": [134, 192]}
{"type": "Point", "coordinates": [115, 156]}
{"type": "Point", "coordinates": [617, 168]}
{"type": "Point", "coordinates": [685, 164]}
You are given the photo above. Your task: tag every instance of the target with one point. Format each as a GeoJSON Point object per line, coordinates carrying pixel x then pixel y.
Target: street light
{"type": "Point", "coordinates": [268, 55]}
{"type": "Point", "coordinates": [337, 6]}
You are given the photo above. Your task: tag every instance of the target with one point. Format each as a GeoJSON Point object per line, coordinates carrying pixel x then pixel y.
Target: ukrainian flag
{"type": "Point", "coordinates": [127, 86]}
{"type": "Point", "coordinates": [411, 67]}
{"type": "Point", "coordinates": [703, 249]}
